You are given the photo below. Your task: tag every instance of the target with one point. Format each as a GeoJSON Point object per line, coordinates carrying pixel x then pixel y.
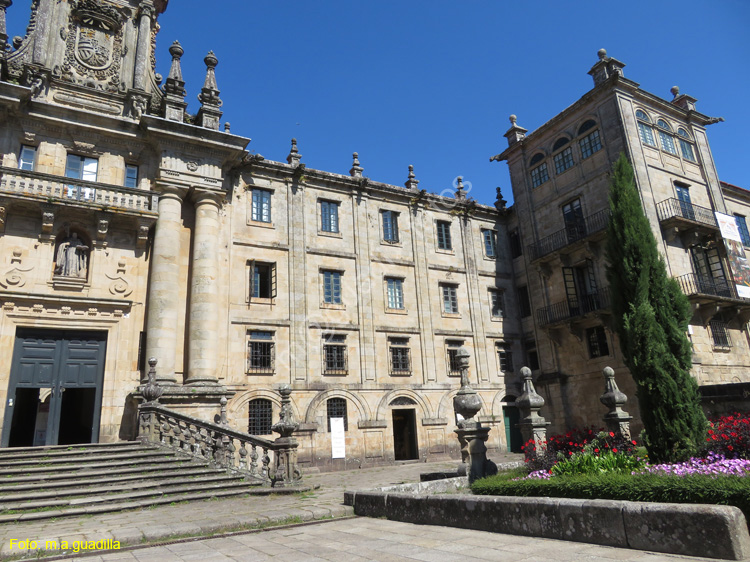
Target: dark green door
{"type": "Point", "coordinates": [54, 394]}
{"type": "Point", "coordinates": [512, 432]}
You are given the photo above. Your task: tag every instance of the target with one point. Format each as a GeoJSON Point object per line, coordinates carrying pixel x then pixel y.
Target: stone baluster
{"type": "Point", "coordinates": [617, 420]}
{"type": "Point", "coordinates": [243, 457]}
{"type": "Point", "coordinates": [254, 460]}
{"type": "Point", "coordinates": [285, 470]}
{"type": "Point", "coordinates": [265, 462]}
{"type": "Point", "coordinates": [532, 425]}
{"type": "Point", "coordinates": [471, 434]}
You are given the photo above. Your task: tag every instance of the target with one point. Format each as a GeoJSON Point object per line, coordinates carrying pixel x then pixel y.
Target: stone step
{"type": "Point", "coordinates": [59, 497]}
{"type": "Point", "coordinates": [10, 454]}
{"type": "Point", "coordinates": [93, 478]}
{"type": "Point", "coordinates": [91, 447]}
{"type": "Point", "coordinates": [36, 470]}
{"type": "Point", "coordinates": [63, 462]}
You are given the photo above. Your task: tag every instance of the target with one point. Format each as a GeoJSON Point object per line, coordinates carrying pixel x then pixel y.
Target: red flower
{"type": "Point", "coordinates": [611, 433]}
{"type": "Point", "coordinates": [596, 450]}
{"type": "Point", "coordinates": [614, 450]}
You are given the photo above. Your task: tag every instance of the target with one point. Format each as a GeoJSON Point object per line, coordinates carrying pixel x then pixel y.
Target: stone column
{"type": "Point", "coordinates": [143, 46]}
{"type": "Point", "coordinates": [163, 302]}
{"type": "Point", "coordinates": [4, 4]}
{"type": "Point", "coordinates": [204, 294]}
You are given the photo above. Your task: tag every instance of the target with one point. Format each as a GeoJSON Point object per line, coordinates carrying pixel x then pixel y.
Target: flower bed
{"type": "Point", "coordinates": [730, 435]}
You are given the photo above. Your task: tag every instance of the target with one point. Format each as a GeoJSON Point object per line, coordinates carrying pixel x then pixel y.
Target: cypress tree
{"type": "Point", "coordinates": [651, 319]}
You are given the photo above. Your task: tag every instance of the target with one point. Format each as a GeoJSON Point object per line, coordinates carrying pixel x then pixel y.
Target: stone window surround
{"type": "Point", "coordinates": [455, 286]}
{"type": "Point", "coordinates": [451, 249]}
{"type": "Point", "coordinates": [270, 207]}
{"type": "Point", "coordinates": [264, 410]}
{"type": "Point", "coordinates": [388, 309]}
{"type": "Point", "coordinates": [249, 275]}
{"type": "Point", "coordinates": [321, 273]}
{"type": "Point", "coordinates": [452, 346]}
{"type": "Point", "coordinates": [507, 349]}
{"type": "Point", "coordinates": [501, 295]}
{"type": "Point", "coordinates": [399, 342]}
{"type": "Point", "coordinates": [28, 148]}
{"type": "Point", "coordinates": [395, 214]}
{"type": "Point", "coordinates": [253, 337]}
{"type": "Point", "coordinates": [482, 231]}
{"type": "Point", "coordinates": [319, 217]}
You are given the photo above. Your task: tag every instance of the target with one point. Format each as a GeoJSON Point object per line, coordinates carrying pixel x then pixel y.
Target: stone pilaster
{"type": "Point", "coordinates": [204, 294]}
{"type": "Point", "coordinates": [422, 277]}
{"type": "Point", "coordinates": [365, 288]}
{"type": "Point", "coordinates": [163, 303]}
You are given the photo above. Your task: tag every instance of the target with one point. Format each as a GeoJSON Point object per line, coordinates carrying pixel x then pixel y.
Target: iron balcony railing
{"type": "Point", "coordinates": [693, 284]}
{"type": "Point", "coordinates": [573, 308]}
{"type": "Point", "coordinates": [674, 208]}
{"type": "Point", "coordinates": [573, 232]}
{"type": "Point", "coordinates": [50, 188]}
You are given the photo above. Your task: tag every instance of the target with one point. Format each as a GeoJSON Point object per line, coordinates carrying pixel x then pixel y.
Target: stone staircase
{"type": "Point", "coordinates": [49, 482]}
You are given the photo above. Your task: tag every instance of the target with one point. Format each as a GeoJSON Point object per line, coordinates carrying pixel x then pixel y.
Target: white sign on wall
{"type": "Point", "coordinates": [338, 439]}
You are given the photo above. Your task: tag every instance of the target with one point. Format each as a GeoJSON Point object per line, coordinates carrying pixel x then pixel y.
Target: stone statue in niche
{"type": "Point", "coordinates": [72, 258]}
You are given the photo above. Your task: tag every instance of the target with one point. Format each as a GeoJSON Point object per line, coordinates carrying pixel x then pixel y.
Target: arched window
{"type": "Point", "coordinates": [686, 146]}
{"type": "Point", "coordinates": [259, 417]}
{"type": "Point", "coordinates": [563, 160]}
{"type": "Point", "coordinates": [336, 408]}
{"type": "Point", "coordinates": [590, 143]}
{"type": "Point", "coordinates": [538, 157]}
{"type": "Point", "coordinates": [539, 175]}
{"type": "Point", "coordinates": [590, 124]}
{"type": "Point", "coordinates": [666, 138]}
{"type": "Point", "coordinates": [645, 130]}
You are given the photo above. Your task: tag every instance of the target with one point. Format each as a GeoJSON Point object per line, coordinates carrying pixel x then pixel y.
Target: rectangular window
{"type": "Point", "coordinates": [395, 291]}
{"type": "Point", "coordinates": [667, 143]}
{"type": "Point", "coordinates": [81, 168]}
{"type": "Point", "coordinates": [742, 227]}
{"type": "Point", "coordinates": [400, 356]}
{"type": "Point", "coordinates": [336, 408]}
{"type": "Point", "coordinates": [516, 249]}
{"type": "Point", "coordinates": [597, 340]}
{"type": "Point", "coordinates": [262, 280]}
{"type": "Point", "coordinates": [334, 355]}
{"type": "Point", "coordinates": [563, 160]}
{"type": "Point", "coordinates": [589, 144]}
{"type": "Point", "coordinates": [450, 298]}
{"type": "Point", "coordinates": [27, 159]}
{"type": "Point", "coordinates": [261, 205]}
{"type": "Point", "coordinates": [505, 356]}
{"type": "Point", "coordinates": [719, 333]}
{"type": "Point", "coordinates": [260, 353]}
{"type": "Point", "coordinates": [532, 356]}
{"type": "Point", "coordinates": [332, 287]}
{"type": "Point", "coordinates": [454, 366]}
{"type": "Point", "coordinates": [647, 134]}
{"type": "Point", "coordinates": [131, 176]}
{"type": "Point", "coordinates": [329, 216]}
{"type": "Point", "coordinates": [489, 237]}
{"type": "Point", "coordinates": [687, 150]}
{"type": "Point", "coordinates": [539, 175]}
{"type": "Point", "coordinates": [444, 235]}
{"type": "Point", "coordinates": [523, 301]}
{"type": "Point", "coordinates": [497, 303]}
{"type": "Point", "coordinates": [390, 226]}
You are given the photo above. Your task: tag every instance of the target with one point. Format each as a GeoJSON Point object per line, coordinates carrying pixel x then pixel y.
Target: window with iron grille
{"type": "Point", "coordinates": [454, 365]}
{"type": "Point", "coordinates": [450, 298]}
{"type": "Point", "coordinates": [444, 235]}
{"type": "Point", "coordinates": [262, 280]}
{"type": "Point", "coordinates": [261, 211]}
{"type": "Point", "coordinates": [395, 292]}
{"type": "Point", "coordinates": [597, 340]}
{"type": "Point", "coordinates": [505, 356]}
{"type": "Point", "coordinates": [490, 244]}
{"type": "Point", "coordinates": [329, 216]}
{"type": "Point", "coordinates": [497, 303]}
{"type": "Point", "coordinates": [260, 417]}
{"type": "Point", "coordinates": [539, 175]}
{"type": "Point", "coordinates": [400, 356]}
{"type": "Point", "coordinates": [589, 144]}
{"type": "Point", "coordinates": [390, 226]}
{"type": "Point", "coordinates": [27, 158]}
{"type": "Point", "coordinates": [336, 408]}
{"type": "Point", "coordinates": [563, 160]}
{"type": "Point", "coordinates": [742, 227]}
{"type": "Point", "coordinates": [523, 301]}
{"type": "Point", "coordinates": [334, 355]}
{"type": "Point", "coordinates": [516, 249]}
{"type": "Point", "coordinates": [260, 353]}
{"type": "Point", "coordinates": [719, 333]}
{"type": "Point", "coordinates": [331, 287]}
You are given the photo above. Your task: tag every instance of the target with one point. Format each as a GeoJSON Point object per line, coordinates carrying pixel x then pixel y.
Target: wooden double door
{"type": "Point", "coordinates": [55, 388]}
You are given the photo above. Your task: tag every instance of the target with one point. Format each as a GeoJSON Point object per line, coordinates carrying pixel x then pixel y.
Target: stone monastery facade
{"type": "Point", "coordinates": [131, 229]}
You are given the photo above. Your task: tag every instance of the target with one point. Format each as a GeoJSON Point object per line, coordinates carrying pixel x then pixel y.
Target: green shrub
{"type": "Point", "coordinates": [596, 463]}
{"type": "Point", "coordinates": [702, 489]}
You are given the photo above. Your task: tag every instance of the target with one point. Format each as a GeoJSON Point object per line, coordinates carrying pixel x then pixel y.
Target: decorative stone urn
{"type": "Point", "coordinates": [151, 391]}
{"type": "Point", "coordinates": [285, 471]}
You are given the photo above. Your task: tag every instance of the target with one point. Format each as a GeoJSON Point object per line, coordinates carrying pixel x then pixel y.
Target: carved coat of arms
{"type": "Point", "coordinates": [93, 48]}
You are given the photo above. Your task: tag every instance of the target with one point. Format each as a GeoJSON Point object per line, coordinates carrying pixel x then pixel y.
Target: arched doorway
{"type": "Point", "coordinates": [404, 415]}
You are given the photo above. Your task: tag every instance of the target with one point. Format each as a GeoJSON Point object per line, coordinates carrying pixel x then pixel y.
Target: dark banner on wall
{"type": "Point", "coordinates": [735, 254]}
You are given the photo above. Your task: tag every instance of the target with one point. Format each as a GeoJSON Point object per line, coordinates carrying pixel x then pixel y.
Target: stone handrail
{"type": "Point", "coordinates": [221, 446]}
{"type": "Point", "coordinates": [58, 188]}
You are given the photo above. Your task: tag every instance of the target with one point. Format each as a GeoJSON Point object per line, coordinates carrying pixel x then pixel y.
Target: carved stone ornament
{"type": "Point", "coordinates": [286, 424]}
{"type": "Point", "coordinates": [192, 166]}
{"type": "Point", "coordinates": [3, 216]}
{"type": "Point", "coordinates": [15, 277]}
{"type": "Point", "coordinates": [119, 286]}
{"type": "Point", "coordinates": [151, 391]}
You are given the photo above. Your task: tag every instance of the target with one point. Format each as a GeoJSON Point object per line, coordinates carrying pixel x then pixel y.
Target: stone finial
{"type": "Point", "coordinates": [617, 420]}
{"type": "Point", "coordinates": [223, 420]}
{"type": "Point", "coordinates": [516, 132]}
{"type": "Point", "coordinates": [174, 88]}
{"type": "Point", "coordinates": [209, 114]}
{"type": "Point", "coordinates": [605, 68]}
{"type": "Point", "coordinates": [513, 118]}
{"type": "Point", "coordinates": [682, 100]}
{"type": "Point", "coordinates": [602, 54]}
{"type": "Point", "coordinates": [294, 155]}
{"type": "Point", "coordinates": [286, 425]}
{"type": "Point", "coordinates": [227, 127]}
{"type": "Point", "coordinates": [532, 425]}
{"type": "Point", "coordinates": [500, 202]}
{"type": "Point", "coordinates": [356, 170]}
{"type": "Point", "coordinates": [412, 181]}
{"type": "Point", "coordinates": [466, 402]}
{"type": "Point", "coordinates": [675, 90]}
{"type": "Point", "coordinates": [460, 194]}
{"type": "Point", "coordinates": [151, 391]}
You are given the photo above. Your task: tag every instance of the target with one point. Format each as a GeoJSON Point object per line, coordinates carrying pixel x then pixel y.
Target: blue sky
{"type": "Point", "coordinates": [432, 83]}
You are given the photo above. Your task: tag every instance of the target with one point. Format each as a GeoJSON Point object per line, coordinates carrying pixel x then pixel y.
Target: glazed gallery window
{"type": "Point", "coordinates": [539, 175]}
{"type": "Point", "coordinates": [563, 160]}
{"type": "Point", "coordinates": [131, 176]}
{"type": "Point", "coordinates": [395, 292]}
{"type": "Point", "coordinates": [450, 298]}
{"type": "Point", "coordinates": [81, 168]}
{"type": "Point", "coordinates": [262, 280]}
{"type": "Point", "coordinates": [331, 287]}
{"type": "Point", "coordinates": [489, 238]}
{"type": "Point", "coordinates": [390, 226]}
{"type": "Point", "coordinates": [592, 142]}
{"type": "Point", "coordinates": [645, 130]}
{"type": "Point", "coordinates": [261, 211]}
{"type": "Point", "coordinates": [686, 146]}
{"type": "Point", "coordinates": [336, 408]}
{"type": "Point", "coordinates": [260, 353]}
{"type": "Point", "coordinates": [334, 355]}
{"type": "Point", "coordinates": [666, 138]}
{"type": "Point", "coordinates": [260, 412]}
{"type": "Point", "coordinates": [597, 340]}
{"type": "Point", "coordinates": [329, 216]}
{"type": "Point", "coordinates": [400, 356]}
{"type": "Point", "coordinates": [444, 241]}
{"type": "Point", "coordinates": [27, 158]}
